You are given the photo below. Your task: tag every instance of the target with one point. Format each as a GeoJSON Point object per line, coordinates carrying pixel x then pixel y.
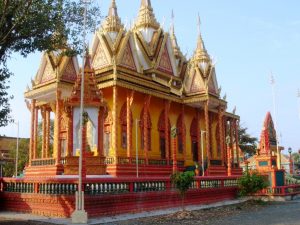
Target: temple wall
{"type": "Point", "coordinates": [155, 108]}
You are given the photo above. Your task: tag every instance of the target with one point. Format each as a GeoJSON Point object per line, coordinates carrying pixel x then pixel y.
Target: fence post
{"type": "Point", "coordinates": [222, 183]}
{"type": "Point", "coordinates": [36, 188]}
{"type": "Point", "coordinates": [131, 184]}
{"type": "Point", "coordinates": [168, 184]}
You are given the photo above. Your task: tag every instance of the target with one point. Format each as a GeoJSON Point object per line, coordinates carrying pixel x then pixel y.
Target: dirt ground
{"type": "Point", "coordinates": [247, 213]}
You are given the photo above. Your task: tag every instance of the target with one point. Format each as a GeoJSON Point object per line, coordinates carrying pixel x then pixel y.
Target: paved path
{"type": "Point", "coordinates": [276, 213]}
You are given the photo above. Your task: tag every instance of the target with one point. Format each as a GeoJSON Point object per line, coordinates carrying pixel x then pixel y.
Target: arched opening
{"type": "Point", "coordinates": [180, 133]}
{"type": "Point", "coordinates": [194, 140]}
{"type": "Point", "coordinates": [162, 135]}
{"type": "Point", "coordinates": [107, 132]}
{"type": "Point", "coordinates": [146, 126]}
{"type": "Point", "coordinates": [123, 118]}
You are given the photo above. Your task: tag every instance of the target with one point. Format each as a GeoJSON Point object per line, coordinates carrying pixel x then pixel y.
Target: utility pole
{"type": "Point", "coordinates": [80, 215]}
{"type": "Point", "coordinates": [17, 150]}
{"type": "Point", "coordinates": [275, 122]}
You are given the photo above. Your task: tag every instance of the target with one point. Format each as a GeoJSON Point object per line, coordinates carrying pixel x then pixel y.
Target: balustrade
{"type": "Point", "coordinates": [42, 162]}
{"type": "Point", "coordinates": [109, 185]}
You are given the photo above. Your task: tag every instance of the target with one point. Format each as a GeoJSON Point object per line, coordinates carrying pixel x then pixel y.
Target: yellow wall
{"type": "Point", "coordinates": [155, 109]}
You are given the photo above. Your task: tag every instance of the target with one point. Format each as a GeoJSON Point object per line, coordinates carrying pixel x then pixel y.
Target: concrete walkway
{"type": "Point", "coordinates": [105, 220]}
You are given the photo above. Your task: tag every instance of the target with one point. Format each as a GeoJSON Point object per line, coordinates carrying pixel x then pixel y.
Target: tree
{"type": "Point", "coordinates": [27, 26]}
{"type": "Point", "coordinates": [9, 167]}
{"type": "Point", "coordinates": [40, 138]}
{"type": "Point", "coordinates": [182, 181]}
{"type": "Point", "coordinates": [247, 143]}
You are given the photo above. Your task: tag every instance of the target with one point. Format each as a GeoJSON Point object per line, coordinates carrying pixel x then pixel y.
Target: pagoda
{"type": "Point", "coordinates": [138, 85]}
{"type": "Point", "coordinates": [268, 158]}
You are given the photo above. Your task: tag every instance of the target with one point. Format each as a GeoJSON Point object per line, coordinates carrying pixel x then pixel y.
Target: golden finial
{"type": "Point", "coordinates": [112, 22]}
{"type": "Point", "coordinates": [201, 53]}
{"type": "Point", "coordinates": [173, 38]}
{"type": "Point", "coordinates": [146, 16]}
{"type": "Point", "coordinates": [172, 30]}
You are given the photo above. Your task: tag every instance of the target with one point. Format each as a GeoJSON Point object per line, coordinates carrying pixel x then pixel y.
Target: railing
{"type": "Point", "coordinates": [42, 162]}
{"type": "Point", "coordinates": [102, 186]}
{"type": "Point", "coordinates": [157, 162]}
{"type": "Point", "coordinates": [281, 191]}
{"type": "Point", "coordinates": [108, 161]}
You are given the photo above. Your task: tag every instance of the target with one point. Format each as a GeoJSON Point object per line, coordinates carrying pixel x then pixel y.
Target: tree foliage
{"type": "Point", "coordinates": [247, 143]}
{"type": "Point", "coordinates": [27, 26]}
{"type": "Point", "coordinates": [250, 183]}
{"type": "Point", "coordinates": [182, 182]}
{"type": "Point", "coordinates": [9, 167]}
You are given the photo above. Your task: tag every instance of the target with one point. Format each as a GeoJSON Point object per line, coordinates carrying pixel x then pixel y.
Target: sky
{"type": "Point", "coordinates": [249, 40]}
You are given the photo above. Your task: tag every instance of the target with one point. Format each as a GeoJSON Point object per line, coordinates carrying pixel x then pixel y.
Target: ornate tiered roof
{"type": "Point", "coordinates": [112, 22]}
{"type": "Point", "coordinates": [146, 17]}
{"type": "Point", "coordinates": [92, 96]}
{"type": "Point", "coordinates": [144, 58]}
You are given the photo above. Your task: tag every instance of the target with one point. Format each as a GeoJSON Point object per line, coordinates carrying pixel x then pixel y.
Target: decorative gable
{"type": "Point", "coordinates": [69, 73]}
{"type": "Point", "coordinates": [212, 83]}
{"type": "Point", "coordinates": [127, 59]}
{"type": "Point", "coordinates": [198, 84]}
{"type": "Point", "coordinates": [165, 62]}
{"type": "Point", "coordinates": [48, 73]}
{"type": "Point", "coordinates": [100, 60]}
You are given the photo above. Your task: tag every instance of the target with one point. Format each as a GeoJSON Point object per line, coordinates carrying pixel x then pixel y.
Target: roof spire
{"type": "Point", "coordinates": [172, 30]}
{"type": "Point", "coordinates": [112, 22]}
{"type": "Point", "coordinates": [200, 53]}
{"type": "Point", "coordinates": [146, 16]}
{"type": "Point", "coordinates": [87, 59]}
{"type": "Point", "coordinates": [173, 37]}
{"type": "Point", "coordinates": [146, 3]}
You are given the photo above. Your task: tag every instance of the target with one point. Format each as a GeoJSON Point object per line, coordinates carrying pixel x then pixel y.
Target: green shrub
{"type": "Point", "coordinates": [182, 182]}
{"type": "Point", "coordinates": [251, 183]}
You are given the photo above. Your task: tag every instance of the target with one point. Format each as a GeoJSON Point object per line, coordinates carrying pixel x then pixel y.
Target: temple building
{"type": "Point", "coordinates": [138, 87]}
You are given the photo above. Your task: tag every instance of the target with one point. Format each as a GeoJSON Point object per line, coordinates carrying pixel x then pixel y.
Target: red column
{"type": "Point", "coordinates": [183, 132]}
{"type": "Point", "coordinates": [47, 138]}
{"type": "Point", "coordinates": [224, 124]}
{"type": "Point", "coordinates": [128, 127]}
{"type": "Point", "coordinates": [231, 142]}
{"type": "Point", "coordinates": [44, 127]}
{"type": "Point", "coordinates": [36, 119]}
{"type": "Point", "coordinates": [145, 134]}
{"type": "Point", "coordinates": [175, 168]}
{"type": "Point", "coordinates": [115, 122]}
{"type": "Point", "coordinates": [100, 131]}
{"type": "Point", "coordinates": [221, 135]}
{"type": "Point", "coordinates": [198, 136]}
{"type": "Point", "coordinates": [237, 141]}
{"type": "Point", "coordinates": [228, 161]}
{"type": "Point", "coordinates": [167, 131]}
{"type": "Point", "coordinates": [146, 128]}
{"type": "Point", "coordinates": [206, 113]}
{"type": "Point", "coordinates": [70, 132]}
{"type": "Point", "coordinates": [33, 102]}
{"type": "Point", "coordinates": [58, 118]}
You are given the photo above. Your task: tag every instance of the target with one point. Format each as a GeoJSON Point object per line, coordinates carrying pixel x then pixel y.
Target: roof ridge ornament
{"type": "Point", "coordinates": [173, 38]}
{"type": "Point", "coordinates": [201, 52]}
{"type": "Point", "coordinates": [112, 22]}
{"type": "Point", "coordinates": [146, 17]}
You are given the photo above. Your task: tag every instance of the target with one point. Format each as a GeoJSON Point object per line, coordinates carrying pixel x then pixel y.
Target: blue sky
{"type": "Point", "coordinates": [247, 39]}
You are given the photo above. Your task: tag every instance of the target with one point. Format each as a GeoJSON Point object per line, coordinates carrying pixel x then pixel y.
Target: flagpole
{"type": "Point", "coordinates": [275, 121]}
{"type": "Point", "coordinates": [298, 96]}
{"type": "Point", "coordinates": [80, 215]}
